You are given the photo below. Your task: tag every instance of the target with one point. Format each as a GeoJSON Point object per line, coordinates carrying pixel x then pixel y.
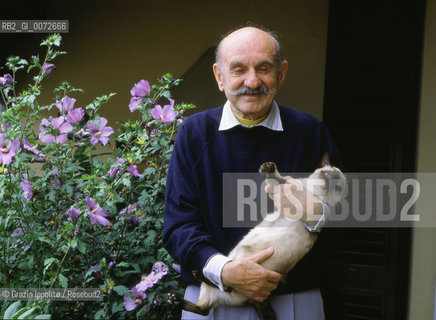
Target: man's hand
{"type": "Point", "coordinates": [294, 201]}
{"type": "Point", "coordinates": [249, 278]}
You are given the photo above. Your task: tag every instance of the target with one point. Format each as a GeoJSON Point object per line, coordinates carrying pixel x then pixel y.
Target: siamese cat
{"type": "Point", "coordinates": [289, 237]}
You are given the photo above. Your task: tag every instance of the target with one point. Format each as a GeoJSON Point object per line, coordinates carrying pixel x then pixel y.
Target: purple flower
{"type": "Point", "coordinates": [97, 273]}
{"type": "Point", "coordinates": [75, 115]}
{"type": "Point", "coordinates": [133, 170]}
{"type": "Point", "coordinates": [160, 267]}
{"type": "Point", "coordinates": [133, 221]}
{"type": "Point", "coordinates": [18, 232]}
{"type": "Point", "coordinates": [27, 146]}
{"type": "Point", "coordinates": [112, 264]}
{"type": "Point", "coordinates": [130, 208]}
{"type": "Point", "coordinates": [48, 68]}
{"type": "Point", "coordinates": [57, 182]}
{"type": "Point", "coordinates": [158, 300]}
{"type": "Point", "coordinates": [134, 102]}
{"type": "Point", "coordinates": [74, 214]}
{"type": "Point", "coordinates": [96, 213]}
{"type": "Point", "coordinates": [159, 270]}
{"type": "Point", "coordinates": [6, 79]}
{"type": "Point", "coordinates": [149, 281]}
{"type": "Point", "coordinates": [58, 126]}
{"type": "Point", "coordinates": [99, 131]}
{"type": "Point", "coordinates": [27, 189]}
{"type": "Point", "coordinates": [176, 267]}
{"type": "Point", "coordinates": [166, 114]}
{"type": "Point", "coordinates": [115, 171]}
{"type": "Point", "coordinates": [141, 89]}
{"type": "Point", "coordinates": [66, 104]}
{"type": "Point", "coordinates": [5, 126]}
{"type": "Point", "coordinates": [130, 304]}
{"type": "Point", "coordinates": [82, 134]}
{"type": "Point", "coordinates": [8, 149]}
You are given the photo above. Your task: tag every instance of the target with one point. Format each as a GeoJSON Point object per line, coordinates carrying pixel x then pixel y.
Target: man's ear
{"type": "Point", "coordinates": [218, 76]}
{"type": "Point", "coordinates": [282, 73]}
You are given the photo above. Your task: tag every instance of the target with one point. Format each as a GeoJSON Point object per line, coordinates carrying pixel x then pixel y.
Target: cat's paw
{"type": "Point", "coordinates": [268, 167]}
{"type": "Point", "coordinates": [175, 299]}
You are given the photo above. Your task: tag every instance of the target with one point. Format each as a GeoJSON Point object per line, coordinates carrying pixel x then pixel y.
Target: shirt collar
{"type": "Point", "coordinates": [272, 121]}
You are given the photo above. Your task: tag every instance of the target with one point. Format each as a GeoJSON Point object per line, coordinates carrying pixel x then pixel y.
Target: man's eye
{"type": "Point", "coordinates": [238, 71]}
{"type": "Point", "coordinates": [264, 70]}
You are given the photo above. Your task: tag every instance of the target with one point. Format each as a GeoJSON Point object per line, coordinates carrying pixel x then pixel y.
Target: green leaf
{"type": "Point", "coordinates": [49, 261]}
{"type": "Point", "coordinates": [12, 309]}
{"type": "Point", "coordinates": [123, 264]}
{"type": "Point", "coordinates": [81, 246]}
{"type": "Point", "coordinates": [136, 267]}
{"type": "Point", "coordinates": [100, 314]}
{"type": "Point", "coordinates": [122, 290]}
{"type": "Point", "coordinates": [23, 62]}
{"type": "Point", "coordinates": [52, 40]}
{"type": "Point", "coordinates": [73, 243]}
{"type": "Point", "coordinates": [63, 281]}
{"type": "Point", "coordinates": [24, 312]}
{"type": "Point", "coordinates": [43, 316]}
{"type": "Point", "coordinates": [117, 306]}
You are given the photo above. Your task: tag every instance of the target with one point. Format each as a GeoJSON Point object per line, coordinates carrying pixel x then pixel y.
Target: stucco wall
{"type": "Point", "coordinates": [113, 44]}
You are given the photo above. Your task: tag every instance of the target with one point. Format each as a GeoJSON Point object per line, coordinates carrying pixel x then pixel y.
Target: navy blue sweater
{"type": "Point", "coordinates": [193, 222]}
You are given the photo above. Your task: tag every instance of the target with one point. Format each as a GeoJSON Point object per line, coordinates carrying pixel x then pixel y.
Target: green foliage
{"type": "Point", "coordinates": [30, 311]}
{"type": "Point", "coordinates": [55, 166]}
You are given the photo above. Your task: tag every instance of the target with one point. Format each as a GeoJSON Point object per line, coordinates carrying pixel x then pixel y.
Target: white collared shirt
{"type": "Point", "coordinates": [272, 121]}
{"type": "Point", "coordinates": [214, 266]}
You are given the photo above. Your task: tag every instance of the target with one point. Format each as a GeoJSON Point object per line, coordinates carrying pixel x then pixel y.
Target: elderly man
{"type": "Point", "coordinates": [248, 130]}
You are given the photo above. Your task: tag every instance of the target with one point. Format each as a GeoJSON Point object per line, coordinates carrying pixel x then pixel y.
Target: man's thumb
{"type": "Point", "coordinates": [262, 255]}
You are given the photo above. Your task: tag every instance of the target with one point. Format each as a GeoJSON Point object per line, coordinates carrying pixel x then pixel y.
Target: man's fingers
{"type": "Point", "coordinates": [275, 277]}
{"type": "Point", "coordinates": [262, 255]}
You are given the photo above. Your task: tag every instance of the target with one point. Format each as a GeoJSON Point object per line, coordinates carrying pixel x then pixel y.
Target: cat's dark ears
{"type": "Point", "coordinates": [325, 160]}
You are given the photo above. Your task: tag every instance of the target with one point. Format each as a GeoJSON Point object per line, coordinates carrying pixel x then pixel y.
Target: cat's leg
{"type": "Point", "coordinates": [264, 310]}
{"type": "Point", "coordinates": [177, 299]}
{"type": "Point", "coordinates": [270, 170]}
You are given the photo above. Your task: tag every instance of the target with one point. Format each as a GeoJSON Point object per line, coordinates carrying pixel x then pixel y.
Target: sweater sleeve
{"type": "Point", "coordinates": [185, 235]}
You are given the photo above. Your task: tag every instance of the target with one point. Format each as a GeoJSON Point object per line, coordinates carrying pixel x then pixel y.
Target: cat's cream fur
{"type": "Point", "coordinates": [290, 239]}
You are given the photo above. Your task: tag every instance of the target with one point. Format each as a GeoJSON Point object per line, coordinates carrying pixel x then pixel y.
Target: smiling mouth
{"type": "Point", "coordinates": [252, 96]}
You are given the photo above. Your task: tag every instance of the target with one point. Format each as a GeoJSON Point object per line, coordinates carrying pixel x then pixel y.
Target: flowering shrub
{"type": "Point", "coordinates": [80, 205]}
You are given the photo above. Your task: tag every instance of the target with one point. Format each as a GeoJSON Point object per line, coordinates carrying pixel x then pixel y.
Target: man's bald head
{"type": "Point", "coordinates": [248, 34]}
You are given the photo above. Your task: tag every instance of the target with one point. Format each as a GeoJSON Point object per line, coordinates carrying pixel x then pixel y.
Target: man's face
{"type": "Point", "coordinates": [248, 61]}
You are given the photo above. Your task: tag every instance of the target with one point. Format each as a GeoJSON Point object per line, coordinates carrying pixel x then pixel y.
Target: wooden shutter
{"type": "Point", "coordinates": [371, 107]}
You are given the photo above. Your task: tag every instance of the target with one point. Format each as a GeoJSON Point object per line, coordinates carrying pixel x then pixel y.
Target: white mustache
{"type": "Point", "coordinates": [250, 91]}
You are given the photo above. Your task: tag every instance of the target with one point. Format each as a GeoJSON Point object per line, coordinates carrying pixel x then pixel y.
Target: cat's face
{"type": "Point", "coordinates": [332, 183]}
